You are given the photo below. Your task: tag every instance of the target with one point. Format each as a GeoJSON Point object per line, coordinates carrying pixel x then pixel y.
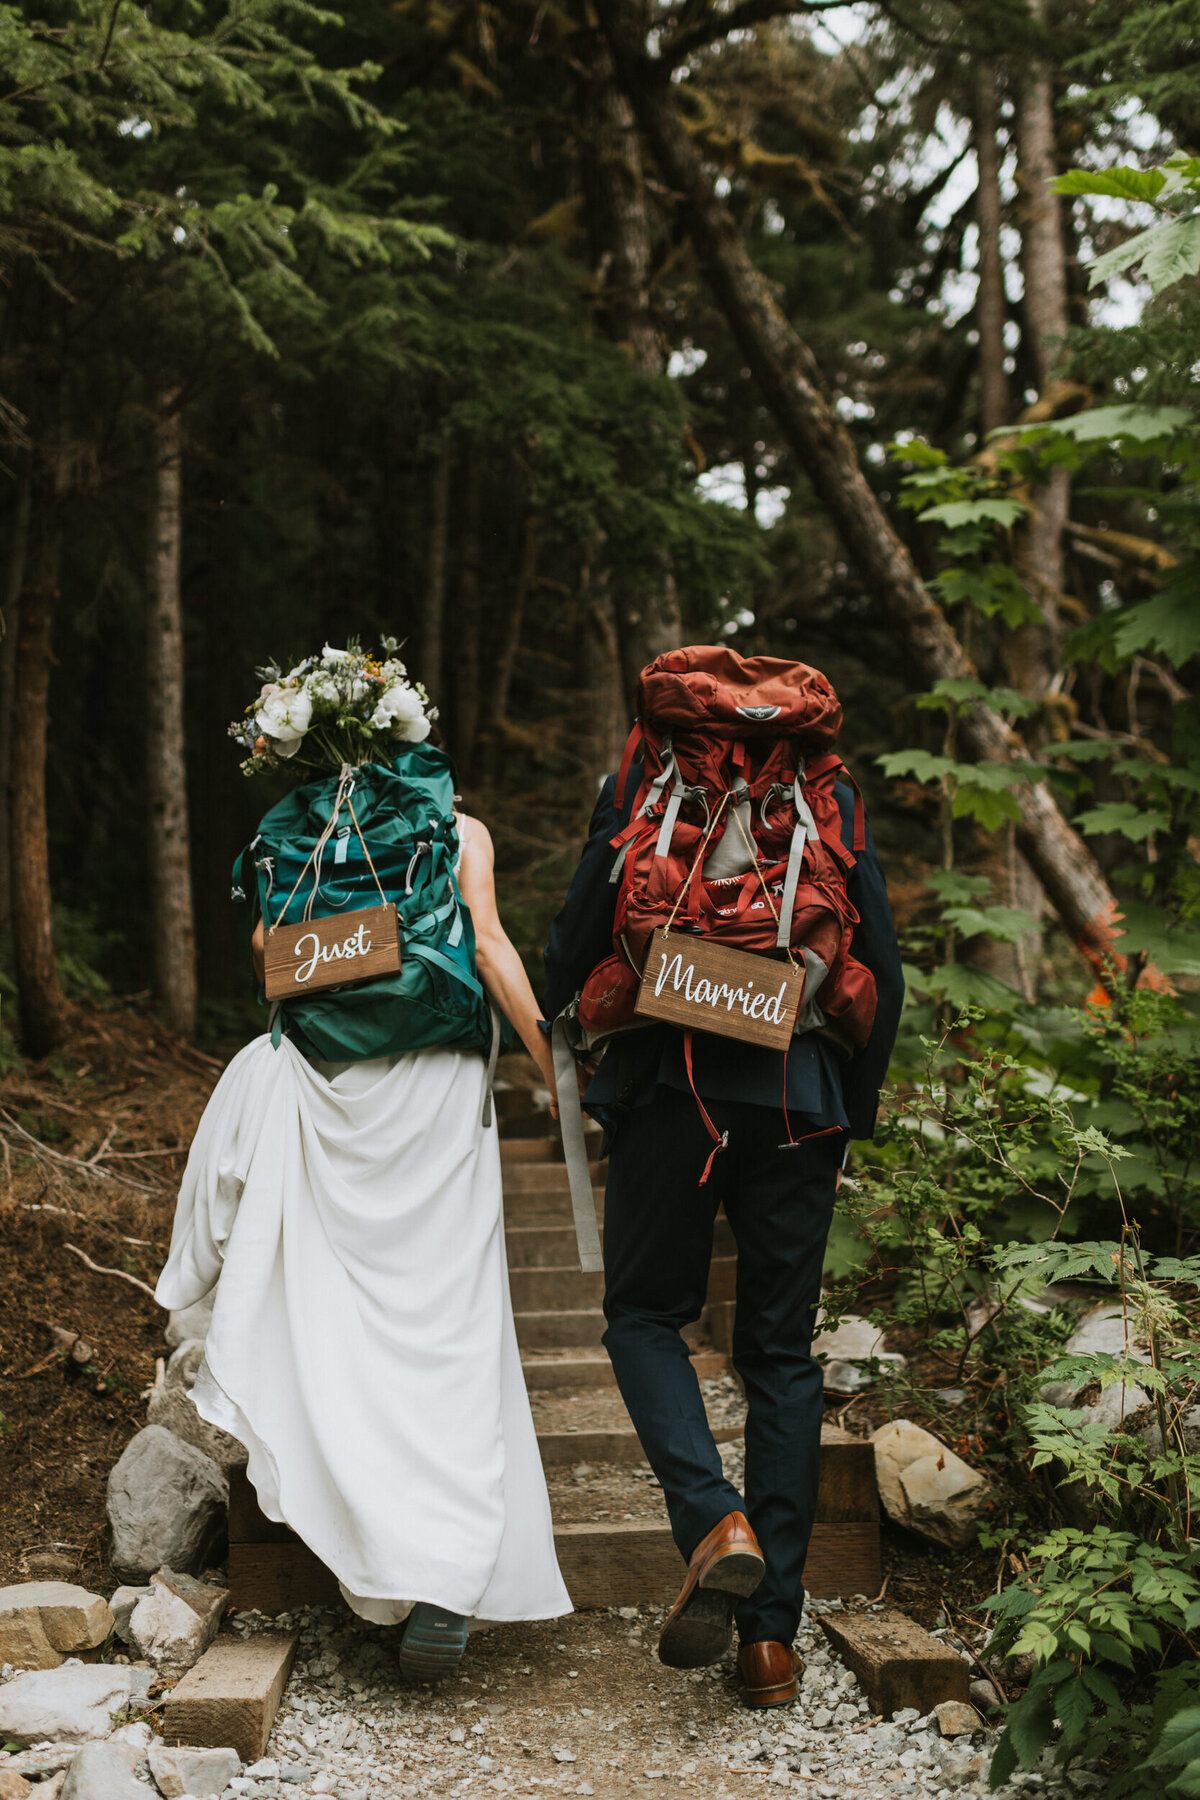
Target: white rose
{"type": "Point", "coordinates": [285, 716]}
{"type": "Point", "coordinates": [398, 705]}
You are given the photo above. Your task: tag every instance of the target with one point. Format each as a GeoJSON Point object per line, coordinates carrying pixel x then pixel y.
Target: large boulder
{"type": "Point", "coordinates": [175, 1621]}
{"type": "Point", "coordinates": [63, 1706]}
{"type": "Point", "coordinates": [1102, 1331]}
{"type": "Point", "coordinates": [194, 1772]}
{"type": "Point", "coordinates": [105, 1772]}
{"type": "Point", "coordinates": [925, 1487]}
{"type": "Point", "coordinates": [166, 1506]}
{"type": "Point", "coordinates": [41, 1622]}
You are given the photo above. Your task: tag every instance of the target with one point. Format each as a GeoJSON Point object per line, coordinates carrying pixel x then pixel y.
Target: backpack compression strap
{"type": "Point", "coordinates": [570, 1123]}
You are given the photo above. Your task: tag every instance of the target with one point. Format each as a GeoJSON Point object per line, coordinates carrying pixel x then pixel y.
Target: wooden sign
{"type": "Point", "coordinates": [331, 952]}
{"type": "Point", "coordinates": [693, 982]}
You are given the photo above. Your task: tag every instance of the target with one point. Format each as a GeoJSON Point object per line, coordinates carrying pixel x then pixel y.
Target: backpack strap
{"type": "Point", "coordinates": [570, 1123]}
{"type": "Point", "coordinates": [668, 773]}
{"type": "Point", "coordinates": [490, 1077]}
{"type": "Point", "coordinates": [805, 829]}
{"type": "Point", "coordinates": [632, 744]}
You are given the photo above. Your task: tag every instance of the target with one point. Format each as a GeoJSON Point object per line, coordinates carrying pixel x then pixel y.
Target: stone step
{"type": "Point", "coordinates": [538, 1151]}
{"type": "Point", "coordinates": [544, 1178]}
{"type": "Point", "coordinates": [580, 1369]}
{"type": "Point", "coordinates": [551, 1244]}
{"type": "Point", "coordinates": [561, 1449]}
{"type": "Point", "coordinates": [569, 1289]}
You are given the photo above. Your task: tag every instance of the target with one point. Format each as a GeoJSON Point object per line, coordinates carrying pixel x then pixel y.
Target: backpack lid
{"type": "Point", "coordinates": [710, 688]}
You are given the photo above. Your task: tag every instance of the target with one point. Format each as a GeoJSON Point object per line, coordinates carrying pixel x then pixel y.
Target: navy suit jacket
{"type": "Point", "coordinates": [817, 1080]}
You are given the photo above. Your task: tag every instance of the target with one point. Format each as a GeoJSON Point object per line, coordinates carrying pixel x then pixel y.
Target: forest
{"type": "Point", "coordinates": [541, 336]}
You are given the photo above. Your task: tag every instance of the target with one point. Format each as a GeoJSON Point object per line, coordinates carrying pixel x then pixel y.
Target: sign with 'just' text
{"type": "Point", "coordinates": [695, 983]}
{"type": "Point", "coordinates": [331, 952]}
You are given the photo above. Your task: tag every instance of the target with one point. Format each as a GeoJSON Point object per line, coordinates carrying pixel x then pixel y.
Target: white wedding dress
{"type": "Point", "coordinates": [362, 1344]}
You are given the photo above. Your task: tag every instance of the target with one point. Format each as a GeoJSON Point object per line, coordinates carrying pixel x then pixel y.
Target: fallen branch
{"type": "Point", "coordinates": [134, 1280]}
{"type": "Point", "coordinates": [73, 1162]}
{"type": "Point", "coordinates": [70, 1212]}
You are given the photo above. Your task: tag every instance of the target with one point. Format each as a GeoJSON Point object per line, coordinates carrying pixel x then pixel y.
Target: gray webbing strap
{"type": "Point", "coordinates": [667, 829]}
{"type": "Point", "coordinates": [493, 1058]}
{"type": "Point", "coordinates": [669, 772]}
{"type": "Point", "coordinates": [579, 1176]}
{"type": "Point", "coordinates": [806, 828]}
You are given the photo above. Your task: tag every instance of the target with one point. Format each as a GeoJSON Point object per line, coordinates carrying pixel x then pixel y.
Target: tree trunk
{"type": "Point", "coordinates": [41, 1004]}
{"type": "Point", "coordinates": [990, 302]}
{"type": "Point", "coordinates": [792, 388]}
{"type": "Point", "coordinates": [647, 611]}
{"type": "Point", "coordinates": [434, 613]}
{"type": "Point", "coordinates": [603, 720]}
{"type": "Point", "coordinates": [508, 641]}
{"type": "Point", "coordinates": [469, 620]}
{"type": "Point", "coordinates": [13, 577]}
{"type": "Point", "coordinates": [173, 930]}
{"type": "Point", "coordinates": [1032, 652]}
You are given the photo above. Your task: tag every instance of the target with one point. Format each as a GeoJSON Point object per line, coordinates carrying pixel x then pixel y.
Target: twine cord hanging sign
{"type": "Point", "coordinates": [342, 948]}
{"type": "Point", "coordinates": [704, 986]}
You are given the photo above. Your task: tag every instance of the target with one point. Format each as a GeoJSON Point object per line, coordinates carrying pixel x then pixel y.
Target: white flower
{"type": "Point", "coordinates": [399, 705]}
{"type": "Point", "coordinates": [322, 686]}
{"type": "Point", "coordinates": [335, 656]}
{"type": "Point", "coordinates": [285, 716]}
{"type": "Point", "coordinates": [417, 731]}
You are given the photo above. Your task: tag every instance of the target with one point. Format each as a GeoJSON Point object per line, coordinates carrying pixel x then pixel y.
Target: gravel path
{"type": "Point", "coordinates": [582, 1706]}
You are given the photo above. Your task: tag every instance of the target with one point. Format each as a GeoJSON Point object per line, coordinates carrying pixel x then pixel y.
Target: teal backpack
{"type": "Point", "coordinates": [405, 814]}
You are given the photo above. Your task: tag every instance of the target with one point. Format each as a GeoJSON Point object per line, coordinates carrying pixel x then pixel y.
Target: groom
{"type": "Point", "coordinates": [746, 1555]}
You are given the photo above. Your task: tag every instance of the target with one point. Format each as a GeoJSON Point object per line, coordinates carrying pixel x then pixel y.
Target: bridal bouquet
{"type": "Point", "coordinates": [343, 706]}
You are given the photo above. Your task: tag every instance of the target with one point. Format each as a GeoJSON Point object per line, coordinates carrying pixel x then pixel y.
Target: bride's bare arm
{"type": "Point", "coordinates": [500, 968]}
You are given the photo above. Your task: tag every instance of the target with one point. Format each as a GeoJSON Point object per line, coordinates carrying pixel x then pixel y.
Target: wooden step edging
{"type": "Point", "coordinates": [626, 1563]}
{"type": "Point", "coordinates": [897, 1662]}
{"type": "Point", "coordinates": [545, 1374]}
{"type": "Point", "coordinates": [230, 1697]}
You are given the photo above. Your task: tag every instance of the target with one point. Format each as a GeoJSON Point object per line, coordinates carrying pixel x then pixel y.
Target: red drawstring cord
{"type": "Point", "coordinates": [720, 1138]}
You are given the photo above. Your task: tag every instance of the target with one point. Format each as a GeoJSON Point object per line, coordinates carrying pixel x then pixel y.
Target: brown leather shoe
{"type": "Point", "coordinates": [770, 1674]}
{"type": "Point", "coordinates": [725, 1566]}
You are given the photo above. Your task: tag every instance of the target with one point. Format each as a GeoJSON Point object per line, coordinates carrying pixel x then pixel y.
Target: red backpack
{"type": "Point", "coordinates": [736, 834]}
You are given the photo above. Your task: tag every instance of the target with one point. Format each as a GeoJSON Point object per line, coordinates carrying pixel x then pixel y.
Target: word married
{"type": "Point", "coordinates": [760, 1005]}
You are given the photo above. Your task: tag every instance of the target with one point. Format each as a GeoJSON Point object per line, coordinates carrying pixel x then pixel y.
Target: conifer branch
{"type": "Point", "coordinates": [717, 25]}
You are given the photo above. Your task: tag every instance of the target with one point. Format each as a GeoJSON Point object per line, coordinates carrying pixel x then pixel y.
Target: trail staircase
{"type": "Point", "coordinates": [605, 1561]}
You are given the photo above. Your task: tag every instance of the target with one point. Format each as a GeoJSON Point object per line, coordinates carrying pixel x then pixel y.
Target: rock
{"type": "Point", "coordinates": [1100, 1332]}
{"type": "Point", "coordinates": [960, 1763]}
{"type": "Point", "coordinates": [49, 1565]}
{"type": "Point", "coordinates": [171, 1406]}
{"type": "Point", "coordinates": [190, 1322]}
{"type": "Point", "coordinates": [104, 1772]}
{"type": "Point", "coordinates": [166, 1505]}
{"type": "Point", "coordinates": [1188, 1425]}
{"type": "Point", "coordinates": [925, 1486]}
{"type": "Point", "coordinates": [984, 1695]}
{"type": "Point", "coordinates": [195, 1772]}
{"type": "Point", "coordinates": [175, 1622]}
{"type": "Point", "coordinates": [853, 1341]}
{"type": "Point", "coordinates": [63, 1705]}
{"type": "Point", "coordinates": [265, 1769]}
{"type": "Point", "coordinates": [13, 1786]}
{"type": "Point", "coordinates": [955, 1718]}
{"type": "Point", "coordinates": [122, 1605]}
{"type": "Point", "coordinates": [140, 1734]}
{"type": "Point", "coordinates": [23, 1640]}
{"type": "Point", "coordinates": [55, 1617]}
{"type": "Point", "coordinates": [184, 1363]}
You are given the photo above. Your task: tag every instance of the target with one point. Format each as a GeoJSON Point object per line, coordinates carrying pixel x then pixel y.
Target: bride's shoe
{"type": "Point", "coordinates": [433, 1642]}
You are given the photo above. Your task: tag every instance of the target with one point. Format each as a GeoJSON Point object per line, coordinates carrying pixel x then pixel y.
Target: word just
{"type": "Point", "coordinates": [754, 1005]}
{"type": "Point", "coordinates": [357, 944]}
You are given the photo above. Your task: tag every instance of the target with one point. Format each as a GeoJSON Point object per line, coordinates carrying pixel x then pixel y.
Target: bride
{"type": "Point", "coordinates": [362, 1344]}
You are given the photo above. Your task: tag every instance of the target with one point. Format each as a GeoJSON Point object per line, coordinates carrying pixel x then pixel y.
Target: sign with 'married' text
{"type": "Point", "coordinates": [330, 952]}
{"type": "Point", "coordinates": [691, 981]}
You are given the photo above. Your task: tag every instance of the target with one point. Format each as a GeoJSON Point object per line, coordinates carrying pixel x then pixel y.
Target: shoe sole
{"type": "Point", "coordinates": [433, 1643]}
{"type": "Point", "coordinates": [703, 1631]}
{"type": "Point", "coordinates": [782, 1698]}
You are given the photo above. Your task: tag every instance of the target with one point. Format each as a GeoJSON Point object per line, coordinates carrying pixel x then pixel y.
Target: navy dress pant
{"type": "Point", "coordinates": [658, 1230]}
